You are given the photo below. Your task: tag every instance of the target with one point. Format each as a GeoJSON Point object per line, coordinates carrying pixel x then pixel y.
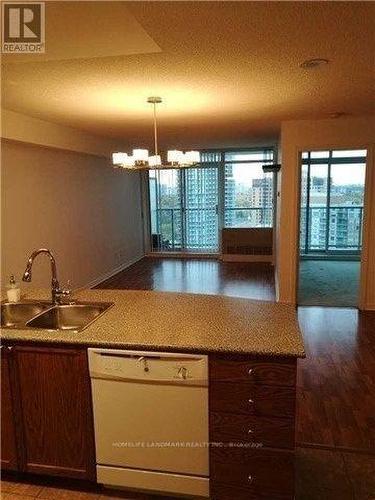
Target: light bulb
{"type": "Point", "coordinates": [175, 156]}
{"type": "Point", "coordinates": [128, 162]}
{"type": "Point", "coordinates": [119, 158]}
{"type": "Point", "coordinates": [140, 155]}
{"type": "Point", "coordinates": [192, 157]}
{"type": "Point", "coordinates": [154, 161]}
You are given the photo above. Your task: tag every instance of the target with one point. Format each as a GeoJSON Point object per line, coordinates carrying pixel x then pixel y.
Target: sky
{"type": "Point", "coordinates": [245, 173]}
{"type": "Point", "coordinates": [342, 174]}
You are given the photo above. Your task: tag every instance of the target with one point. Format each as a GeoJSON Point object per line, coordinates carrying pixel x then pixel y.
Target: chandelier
{"type": "Point", "coordinates": [140, 159]}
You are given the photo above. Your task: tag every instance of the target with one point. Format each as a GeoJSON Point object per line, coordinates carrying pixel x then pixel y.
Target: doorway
{"type": "Point", "coordinates": [331, 226]}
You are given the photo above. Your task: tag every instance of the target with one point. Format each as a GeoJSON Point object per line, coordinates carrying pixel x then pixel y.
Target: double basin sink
{"type": "Point", "coordinates": [43, 315]}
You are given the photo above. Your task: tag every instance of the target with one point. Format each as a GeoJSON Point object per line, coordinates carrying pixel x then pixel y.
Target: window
{"type": "Point", "coordinates": [248, 191]}
{"type": "Point", "coordinates": [165, 209]}
{"type": "Point", "coordinates": [183, 209]}
{"type": "Point", "coordinates": [229, 188]}
{"type": "Point", "coordinates": [332, 196]}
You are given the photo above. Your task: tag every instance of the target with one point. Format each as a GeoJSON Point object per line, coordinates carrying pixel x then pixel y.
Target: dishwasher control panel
{"type": "Point", "coordinates": [178, 368]}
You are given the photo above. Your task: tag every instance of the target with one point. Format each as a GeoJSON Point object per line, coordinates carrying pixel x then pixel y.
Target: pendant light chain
{"type": "Point", "coordinates": [155, 131]}
{"type": "Point", "coordinates": [140, 159]}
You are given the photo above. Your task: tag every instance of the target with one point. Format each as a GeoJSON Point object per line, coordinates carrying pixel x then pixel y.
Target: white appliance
{"type": "Point", "coordinates": [151, 420]}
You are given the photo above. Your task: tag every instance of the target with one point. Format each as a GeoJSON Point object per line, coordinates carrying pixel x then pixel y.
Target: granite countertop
{"type": "Point", "coordinates": [166, 321]}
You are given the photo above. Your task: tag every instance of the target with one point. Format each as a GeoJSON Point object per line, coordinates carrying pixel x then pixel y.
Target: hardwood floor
{"type": "Point", "coordinates": [332, 475]}
{"type": "Point", "coordinates": [336, 381]}
{"type": "Point", "coordinates": [208, 276]}
{"type": "Point", "coordinates": [320, 475]}
{"type": "Point", "coordinates": [41, 489]}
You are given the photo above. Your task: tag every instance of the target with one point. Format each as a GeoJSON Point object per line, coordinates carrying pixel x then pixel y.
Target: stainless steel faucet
{"type": "Point", "coordinates": [56, 292]}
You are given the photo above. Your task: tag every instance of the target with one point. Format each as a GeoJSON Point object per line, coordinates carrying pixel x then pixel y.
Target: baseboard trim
{"type": "Point", "coordinates": [109, 274]}
{"type": "Point", "coordinates": [277, 289]}
{"type": "Point", "coordinates": [182, 255]}
{"type": "Point", "coordinates": [228, 257]}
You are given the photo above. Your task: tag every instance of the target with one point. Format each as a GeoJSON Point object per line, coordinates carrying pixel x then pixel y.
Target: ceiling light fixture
{"type": "Point", "coordinates": [314, 63]}
{"type": "Point", "coordinates": [140, 159]}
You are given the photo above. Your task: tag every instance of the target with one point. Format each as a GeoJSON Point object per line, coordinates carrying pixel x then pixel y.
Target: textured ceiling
{"type": "Point", "coordinates": [83, 30]}
{"type": "Point", "coordinates": [228, 72]}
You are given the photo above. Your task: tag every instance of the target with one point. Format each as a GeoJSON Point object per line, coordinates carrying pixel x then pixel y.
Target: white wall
{"type": "Point", "coordinates": [302, 135]}
{"type": "Point", "coordinates": [88, 213]}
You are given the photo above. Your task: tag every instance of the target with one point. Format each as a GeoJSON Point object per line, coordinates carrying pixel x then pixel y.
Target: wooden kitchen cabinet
{"type": "Point", "coordinates": [9, 458]}
{"type": "Point", "coordinates": [51, 393]}
{"type": "Point", "coordinates": [252, 427]}
{"type": "Point", "coordinates": [46, 392]}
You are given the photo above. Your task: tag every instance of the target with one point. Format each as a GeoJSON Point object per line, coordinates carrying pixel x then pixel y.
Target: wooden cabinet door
{"type": "Point", "coordinates": [9, 459]}
{"type": "Point", "coordinates": [53, 388]}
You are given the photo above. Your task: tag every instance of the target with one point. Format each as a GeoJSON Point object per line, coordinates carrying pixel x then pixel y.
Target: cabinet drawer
{"type": "Point", "coordinates": [250, 399]}
{"type": "Point", "coordinates": [281, 372]}
{"type": "Point", "coordinates": [266, 431]}
{"type": "Point", "coordinates": [260, 471]}
{"type": "Point", "coordinates": [229, 492]}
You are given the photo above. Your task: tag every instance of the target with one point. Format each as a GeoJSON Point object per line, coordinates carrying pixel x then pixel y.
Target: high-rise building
{"type": "Point", "coordinates": [331, 226]}
{"type": "Point", "coordinates": [201, 198]}
{"type": "Point", "coordinates": [229, 197]}
{"type": "Point", "coordinates": [261, 198]}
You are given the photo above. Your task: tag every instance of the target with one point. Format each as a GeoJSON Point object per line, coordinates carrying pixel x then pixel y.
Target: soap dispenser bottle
{"type": "Point", "coordinates": [13, 290]}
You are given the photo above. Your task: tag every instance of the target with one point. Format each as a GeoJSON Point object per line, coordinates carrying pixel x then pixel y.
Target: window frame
{"type": "Point", "coordinates": [309, 158]}
{"type": "Point", "coordinates": [220, 163]}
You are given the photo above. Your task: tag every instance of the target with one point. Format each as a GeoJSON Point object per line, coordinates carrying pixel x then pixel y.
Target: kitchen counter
{"type": "Point", "coordinates": [166, 321]}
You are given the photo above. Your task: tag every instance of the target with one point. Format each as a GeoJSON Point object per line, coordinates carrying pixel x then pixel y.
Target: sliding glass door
{"type": "Point", "coordinates": [183, 209]}
{"type": "Point", "coordinates": [332, 197]}
{"type": "Point", "coordinates": [201, 209]}
{"type": "Point", "coordinates": [166, 210]}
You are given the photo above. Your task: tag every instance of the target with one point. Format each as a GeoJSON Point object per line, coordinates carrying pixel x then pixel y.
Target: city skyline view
{"type": "Point", "coordinates": [187, 205]}
{"type": "Point", "coordinates": [348, 174]}
{"type": "Point", "coordinates": [332, 197]}
{"type": "Point", "coordinates": [185, 209]}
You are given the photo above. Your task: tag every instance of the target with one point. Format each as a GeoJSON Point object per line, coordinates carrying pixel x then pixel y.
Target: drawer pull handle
{"type": "Point", "coordinates": [250, 479]}
{"type": "Point", "coordinates": [250, 371]}
{"type": "Point", "coordinates": [250, 431]}
{"type": "Point", "coordinates": [251, 401]}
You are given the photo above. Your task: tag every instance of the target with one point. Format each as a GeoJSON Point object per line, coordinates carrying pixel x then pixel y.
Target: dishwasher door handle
{"type": "Point", "coordinates": [148, 367]}
{"type": "Point", "coordinates": [172, 357]}
{"type": "Point", "coordinates": [125, 355]}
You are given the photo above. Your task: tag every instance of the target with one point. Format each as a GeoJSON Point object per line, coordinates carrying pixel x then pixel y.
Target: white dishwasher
{"type": "Point", "coordinates": [151, 420]}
